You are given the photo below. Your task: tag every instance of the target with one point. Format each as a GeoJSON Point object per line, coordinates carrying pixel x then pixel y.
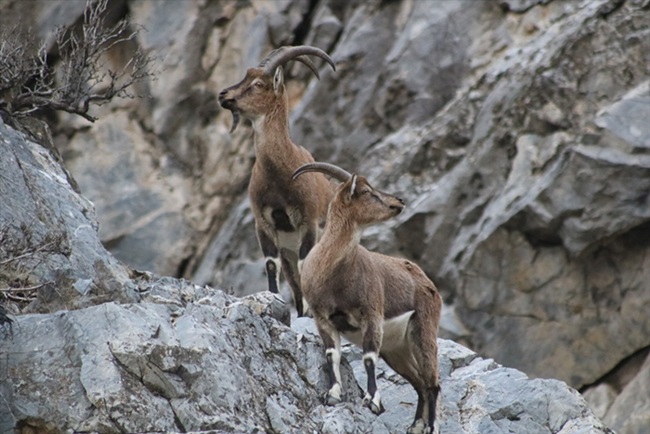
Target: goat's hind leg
{"type": "Point", "coordinates": [419, 425]}
{"type": "Point", "coordinates": [404, 362]}
{"type": "Point", "coordinates": [425, 416]}
{"type": "Point", "coordinates": [424, 347]}
{"type": "Point", "coordinates": [428, 392]}
{"type": "Point", "coordinates": [432, 403]}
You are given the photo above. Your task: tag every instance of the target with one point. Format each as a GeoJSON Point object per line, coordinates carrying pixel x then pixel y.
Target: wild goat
{"type": "Point", "coordinates": [288, 216]}
{"type": "Point", "coordinates": [385, 305]}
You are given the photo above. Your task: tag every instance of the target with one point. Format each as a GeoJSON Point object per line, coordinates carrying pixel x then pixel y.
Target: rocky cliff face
{"type": "Point", "coordinates": [516, 131]}
{"type": "Point", "coordinates": [48, 233]}
{"type": "Point", "coordinates": [173, 356]}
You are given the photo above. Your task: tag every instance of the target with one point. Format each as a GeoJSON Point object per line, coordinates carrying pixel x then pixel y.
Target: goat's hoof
{"type": "Point", "coordinates": [333, 396]}
{"type": "Point", "coordinates": [419, 428]}
{"type": "Point", "coordinates": [331, 400]}
{"type": "Point", "coordinates": [374, 403]}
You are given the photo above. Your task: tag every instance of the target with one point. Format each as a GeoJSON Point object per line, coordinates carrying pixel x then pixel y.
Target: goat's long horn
{"type": "Point", "coordinates": [328, 169]}
{"type": "Point", "coordinates": [282, 55]}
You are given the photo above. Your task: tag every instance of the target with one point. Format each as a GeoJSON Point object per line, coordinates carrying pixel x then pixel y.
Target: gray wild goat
{"type": "Point", "coordinates": [288, 215]}
{"type": "Point", "coordinates": [385, 305]}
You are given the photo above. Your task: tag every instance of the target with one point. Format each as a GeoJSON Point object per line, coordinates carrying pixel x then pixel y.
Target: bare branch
{"type": "Point", "coordinates": [28, 84]}
{"type": "Point", "coordinates": [24, 289]}
{"type": "Point", "coordinates": [30, 252]}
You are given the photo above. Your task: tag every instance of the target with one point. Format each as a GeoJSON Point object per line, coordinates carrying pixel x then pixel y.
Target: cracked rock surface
{"type": "Point", "coordinates": [515, 130]}
{"type": "Point", "coordinates": [192, 359]}
{"type": "Point", "coordinates": [174, 356]}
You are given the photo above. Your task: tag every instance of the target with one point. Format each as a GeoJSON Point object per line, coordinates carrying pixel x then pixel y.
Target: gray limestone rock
{"type": "Point", "coordinates": [629, 413]}
{"type": "Point", "coordinates": [48, 232]}
{"type": "Point", "coordinates": [518, 139]}
{"type": "Point", "coordinates": [192, 359]}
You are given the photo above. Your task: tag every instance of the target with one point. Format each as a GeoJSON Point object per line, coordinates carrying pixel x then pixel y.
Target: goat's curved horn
{"type": "Point", "coordinates": [326, 168]}
{"type": "Point", "coordinates": [282, 55]}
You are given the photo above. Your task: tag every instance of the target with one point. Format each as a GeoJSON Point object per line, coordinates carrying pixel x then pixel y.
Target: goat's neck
{"type": "Point", "coordinates": [341, 236]}
{"type": "Point", "coordinates": [272, 131]}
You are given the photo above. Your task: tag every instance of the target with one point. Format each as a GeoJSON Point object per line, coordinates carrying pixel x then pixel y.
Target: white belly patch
{"type": "Point", "coordinates": [289, 240]}
{"type": "Point", "coordinates": [395, 330]}
{"type": "Point", "coordinates": [286, 240]}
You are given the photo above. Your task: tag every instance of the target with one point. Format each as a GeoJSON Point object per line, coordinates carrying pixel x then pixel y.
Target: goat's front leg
{"type": "Point", "coordinates": [273, 263]}
{"type": "Point", "coordinates": [372, 336]}
{"type": "Point", "coordinates": [332, 341]}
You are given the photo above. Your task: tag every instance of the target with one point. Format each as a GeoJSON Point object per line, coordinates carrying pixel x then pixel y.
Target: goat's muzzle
{"type": "Point", "coordinates": [399, 207]}
{"type": "Point", "coordinates": [229, 104]}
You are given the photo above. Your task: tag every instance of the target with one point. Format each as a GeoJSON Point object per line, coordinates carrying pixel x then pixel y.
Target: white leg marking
{"type": "Point", "coordinates": [305, 307]}
{"type": "Point", "coordinates": [374, 402]}
{"type": "Point", "coordinates": [334, 394]}
{"type": "Point", "coordinates": [336, 362]}
{"type": "Point", "coordinates": [370, 355]}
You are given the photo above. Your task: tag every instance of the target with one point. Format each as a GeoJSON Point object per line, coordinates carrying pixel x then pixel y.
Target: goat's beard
{"type": "Point", "coordinates": [235, 120]}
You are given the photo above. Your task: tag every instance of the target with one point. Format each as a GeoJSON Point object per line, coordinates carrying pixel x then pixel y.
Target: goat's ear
{"type": "Point", "coordinates": [353, 186]}
{"type": "Point", "coordinates": [278, 80]}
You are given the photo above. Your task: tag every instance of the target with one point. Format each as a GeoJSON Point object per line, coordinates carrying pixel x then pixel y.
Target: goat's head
{"type": "Point", "coordinates": [263, 85]}
{"type": "Point", "coordinates": [355, 196]}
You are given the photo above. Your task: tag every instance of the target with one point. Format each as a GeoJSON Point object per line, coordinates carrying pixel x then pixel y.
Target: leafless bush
{"type": "Point", "coordinates": [21, 251]}
{"type": "Point", "coordinates": [28, 78]}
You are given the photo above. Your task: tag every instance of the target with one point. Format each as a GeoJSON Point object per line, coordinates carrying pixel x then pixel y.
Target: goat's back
{"type": "Point", "coordinates": [363, 281]}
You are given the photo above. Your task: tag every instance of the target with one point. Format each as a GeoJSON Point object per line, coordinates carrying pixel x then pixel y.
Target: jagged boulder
{"type": "Point", "coordinates": [192, 359]}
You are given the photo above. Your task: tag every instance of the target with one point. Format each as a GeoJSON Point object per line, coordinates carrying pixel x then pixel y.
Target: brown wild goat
{"type": "Point", "coordinates": [288, 215]}
{"type": "Point", "coordinates": [383, 304]}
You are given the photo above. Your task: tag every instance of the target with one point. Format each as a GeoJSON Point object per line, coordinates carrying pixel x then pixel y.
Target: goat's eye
{"type": "Point", "coordinates": [258, 84]}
